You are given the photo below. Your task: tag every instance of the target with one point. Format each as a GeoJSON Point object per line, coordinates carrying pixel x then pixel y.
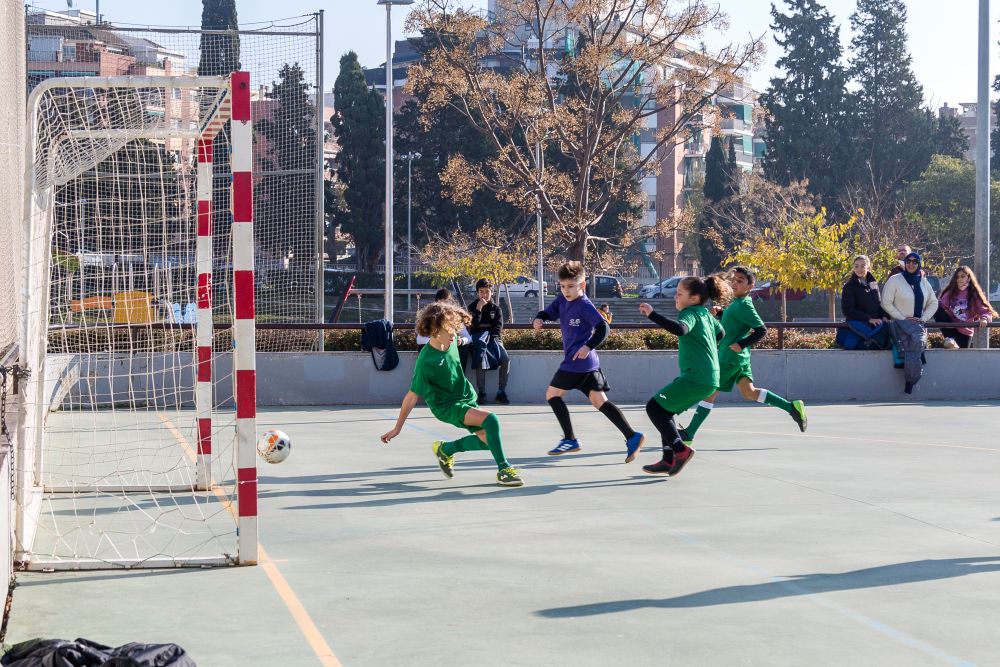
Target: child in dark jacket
{"type": "Point", "coordinates": [487, 322]}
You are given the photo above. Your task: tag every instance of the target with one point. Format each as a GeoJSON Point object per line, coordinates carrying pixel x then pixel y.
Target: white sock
{"type": "Point", "coordinates": [762, 395]}
{"type": "Point", "coordinates": [706, 405]}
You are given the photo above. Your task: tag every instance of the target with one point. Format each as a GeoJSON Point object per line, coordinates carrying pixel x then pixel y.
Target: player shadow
{"type": "Point", "coordinates": [806, 584]}
{"type": "Point", "coordinates": [392, 493]}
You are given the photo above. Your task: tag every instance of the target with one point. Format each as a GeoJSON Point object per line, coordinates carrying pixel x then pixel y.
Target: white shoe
{"type": "Point", "coordinates": [950, 344]}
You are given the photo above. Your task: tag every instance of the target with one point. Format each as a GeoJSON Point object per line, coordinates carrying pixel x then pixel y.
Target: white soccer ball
{"type": "Point", "coordinates": [274, 446]}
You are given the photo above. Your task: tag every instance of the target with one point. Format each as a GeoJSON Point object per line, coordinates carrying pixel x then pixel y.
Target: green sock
{"type": "Point", "coordinates": [773, 399]}
{"type": "Point", "coordinates": [493, 442]}
{"type": "Point", "coordinates": [700, 414]}
{"type": "Point", "coordinates": [470, 443]}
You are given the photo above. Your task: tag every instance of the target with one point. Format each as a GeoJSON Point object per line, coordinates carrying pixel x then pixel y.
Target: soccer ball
{"type": "Point", "coordinates": [274, 446]}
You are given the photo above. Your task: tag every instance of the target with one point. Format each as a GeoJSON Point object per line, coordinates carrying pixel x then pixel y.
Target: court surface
{"type": "Point", "coordinates": [872, 539]}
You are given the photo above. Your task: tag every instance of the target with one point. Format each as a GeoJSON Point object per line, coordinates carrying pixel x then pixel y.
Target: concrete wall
{"type": "Point", "coordinates": [349, 378]}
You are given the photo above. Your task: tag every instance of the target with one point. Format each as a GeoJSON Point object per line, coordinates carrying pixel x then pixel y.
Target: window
{"type": "Point", "coordinates": [651, 204]}
{"type": "Point", "coordinates": [69, 52]}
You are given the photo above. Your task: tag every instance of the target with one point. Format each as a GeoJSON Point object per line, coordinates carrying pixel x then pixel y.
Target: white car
{"type": "Point", "coordinates": [522, 286]}
{"type": "Point", "coordinates": [665, 289]}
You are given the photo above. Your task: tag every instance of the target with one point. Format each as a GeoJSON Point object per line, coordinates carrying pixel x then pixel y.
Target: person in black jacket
{"type": "Point", "coordinates": [859, 299]}
{"type": "Point", "coordinates": [862, 308]}
{"type": "Point", "coordinates": [488, 318]}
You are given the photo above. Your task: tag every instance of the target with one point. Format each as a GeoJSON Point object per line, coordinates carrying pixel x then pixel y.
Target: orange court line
{"type": "Point", "coordinates": [299, 614]}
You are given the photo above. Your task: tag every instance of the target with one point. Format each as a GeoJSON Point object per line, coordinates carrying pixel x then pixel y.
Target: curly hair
{"type": "Point", "coordinates": [432, 318]}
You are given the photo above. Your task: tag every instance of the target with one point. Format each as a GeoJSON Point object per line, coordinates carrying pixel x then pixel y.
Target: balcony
{"type": "Point", "coordinates": [736, 125]}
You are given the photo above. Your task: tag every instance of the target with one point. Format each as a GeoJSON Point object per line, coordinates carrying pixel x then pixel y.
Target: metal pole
{"type": "Point", "coordinates": [409, 221]}
{"type": "Point", "coordinates": [982, 248]}
{"type": "Point", "coordinates": [538, 224]}
{"type": "Point", "coordinates": [320, 225]}
{"type": "Point", "coordinates": [388, 164]}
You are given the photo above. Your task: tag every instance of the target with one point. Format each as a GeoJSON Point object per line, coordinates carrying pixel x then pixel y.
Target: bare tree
{"type": "Point", "coordinates": [619, 64]}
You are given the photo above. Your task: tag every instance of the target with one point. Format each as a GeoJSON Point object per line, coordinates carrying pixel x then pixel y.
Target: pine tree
{"type": "Point", "coordinates": [717, 187]}
{"type": "Point", "coordinates": [287, 139]}
{"type": "Point", "coordinates": [357, 122]}
{"type": "Point", "coordinates": [895, 137]}
{"type": "Point", "coordinates": [220, 54]}
{"type": "Point", "coordinates": [807, 119]}
{"type": "Point", "coordinates": [950, 139]}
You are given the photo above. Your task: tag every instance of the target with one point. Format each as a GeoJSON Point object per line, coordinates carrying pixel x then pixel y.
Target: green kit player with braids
{"type": "Point", "coordinates": [439, 379]}
{"type": "Point", "coordinates": [743, 328]}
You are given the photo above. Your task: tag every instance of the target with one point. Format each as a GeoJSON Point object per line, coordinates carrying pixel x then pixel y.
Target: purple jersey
{"type": "Point", "coordinates": [577, 319]}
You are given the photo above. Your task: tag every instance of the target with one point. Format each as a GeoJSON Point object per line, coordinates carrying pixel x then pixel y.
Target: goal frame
{"type": "Point", "coordinates": [235, 108]}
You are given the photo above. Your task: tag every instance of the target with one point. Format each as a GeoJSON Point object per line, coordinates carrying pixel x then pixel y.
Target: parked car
{"type": "Point", "coordinates": [766, 290]}
{"type": "Point", "coordinates": [995, 294]}
{"type": "Point", "coordinates": [522, 286]}
{"type": "Point", "coordinates": [608, 287]}
{"type": "Point", "coordinates": [665, 289]}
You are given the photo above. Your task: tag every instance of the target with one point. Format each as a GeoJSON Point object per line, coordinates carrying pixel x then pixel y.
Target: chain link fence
{"type": "Point", "coordinates": [285, 62]}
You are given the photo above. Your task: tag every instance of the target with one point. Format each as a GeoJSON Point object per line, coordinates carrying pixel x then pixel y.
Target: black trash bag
{"type": "Point", "coordinates": [87, 653]}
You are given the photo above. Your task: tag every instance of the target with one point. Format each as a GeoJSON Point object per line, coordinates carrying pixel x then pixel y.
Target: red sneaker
{"type": "Point", "coordinates": [681, 459]}
{"type": "Point", "coordinates": [661, 467]}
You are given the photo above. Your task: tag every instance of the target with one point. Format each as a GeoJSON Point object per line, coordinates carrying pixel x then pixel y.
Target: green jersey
{"type": "Point", "coordinates": [439, 379]}
{"type": "Point", "coordinates": [697, 350]}
{"type": "Point", "coordinates": [738, 319]}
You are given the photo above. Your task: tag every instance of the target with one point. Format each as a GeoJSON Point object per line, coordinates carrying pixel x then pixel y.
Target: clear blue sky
{"type": "Point", "coordinates": [942, 34]}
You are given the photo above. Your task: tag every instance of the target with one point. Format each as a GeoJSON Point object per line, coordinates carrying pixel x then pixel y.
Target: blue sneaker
{"type": "Point", "coordinates": [565, 446]}
{"type": "Point", "coordinates": [633, 445]}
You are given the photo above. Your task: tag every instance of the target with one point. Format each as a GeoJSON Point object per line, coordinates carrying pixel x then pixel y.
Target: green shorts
{"type": "Point", "coordinates": [681, 394]}
{"type": "Point", "coordinates": [729, 375]}
{"type": "Point", "coordinates": [454, 414]}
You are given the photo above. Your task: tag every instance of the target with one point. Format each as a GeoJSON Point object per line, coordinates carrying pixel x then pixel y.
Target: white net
{"type": "Point", "coordinates": [109, 475]}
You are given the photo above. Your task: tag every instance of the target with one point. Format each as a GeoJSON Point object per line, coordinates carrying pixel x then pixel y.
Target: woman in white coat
{"type": "Point", "coordinates": [910, 301]}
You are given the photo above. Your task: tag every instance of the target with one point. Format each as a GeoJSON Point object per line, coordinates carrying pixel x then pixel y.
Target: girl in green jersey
{"type": "Point", "coordinates": [698, 335]}
{"type": "Point", "coordinates": [743, 328]}
{"type": "Point", "coordinates": [438, 377]}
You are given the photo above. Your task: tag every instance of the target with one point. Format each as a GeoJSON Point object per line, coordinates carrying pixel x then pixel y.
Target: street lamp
{"type": "Point", "coordinates": [409, 157]}
{"type": "Point", "coordinates": [388, 152]}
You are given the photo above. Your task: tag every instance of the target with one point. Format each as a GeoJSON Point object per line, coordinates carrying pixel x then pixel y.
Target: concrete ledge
{"type": "Point", "coordinates": [349, 378]}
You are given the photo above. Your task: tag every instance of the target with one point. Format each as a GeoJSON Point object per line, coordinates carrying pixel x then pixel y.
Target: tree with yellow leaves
{"type": "Point", "coordinates": [488, 253]}
{"type": "Point", "coordinates": [806, 253]}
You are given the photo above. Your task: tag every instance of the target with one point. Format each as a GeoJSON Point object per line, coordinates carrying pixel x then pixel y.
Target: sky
{"type": "Point", "coordinates": [942, 35]}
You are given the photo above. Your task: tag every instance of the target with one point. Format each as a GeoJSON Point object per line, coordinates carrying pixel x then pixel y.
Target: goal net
{"type": "Point", "coordinates": [137, 432]}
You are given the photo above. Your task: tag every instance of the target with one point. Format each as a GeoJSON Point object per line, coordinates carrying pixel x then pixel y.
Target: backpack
{"type": "Point", "coordinates": [376, 337]}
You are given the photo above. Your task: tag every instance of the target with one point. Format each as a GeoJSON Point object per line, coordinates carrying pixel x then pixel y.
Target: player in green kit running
{"type": "Point", "coordinates": [698, 335]}
{"type": "Point", "coordinates": [439, 379]}
{"type": "Point", "coordinates": [744, 328]}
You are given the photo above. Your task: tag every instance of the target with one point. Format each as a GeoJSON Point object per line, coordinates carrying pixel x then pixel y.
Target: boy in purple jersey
{"type": "Point", "coordinates": [583, 329]}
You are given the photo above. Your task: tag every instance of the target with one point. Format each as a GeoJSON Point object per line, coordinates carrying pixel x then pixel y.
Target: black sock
{"type": "Point", "coordinates": [664, 422]}
{"type": "Point", "coordinates": [614, 414]}
{"type": "Point", "coordinates": [562, 414]}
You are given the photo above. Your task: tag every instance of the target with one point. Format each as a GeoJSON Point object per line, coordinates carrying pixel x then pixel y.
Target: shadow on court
{"type": "Point", "coordinates": [806, 584]}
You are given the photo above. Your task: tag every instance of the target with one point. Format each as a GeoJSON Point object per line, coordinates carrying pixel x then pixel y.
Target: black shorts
{"type": "Point", "coordinates": [586, 382]}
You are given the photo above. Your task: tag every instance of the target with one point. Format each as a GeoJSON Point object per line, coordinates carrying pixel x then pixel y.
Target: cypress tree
{"type": "Point", "coordinates": [949, 139]}
{"type": "Point", "coordinates": [717, 187]}
{"type": "Point", "coordinates": [895, 137]}
{"type": "Point", "coordinates": [357, 122]}
{"type": "Point", "coordinates": [290, 136]}
{"type": "Point", "coordinates": [220, 54]}
{"type": "Point", "coordinates": [808, 116]}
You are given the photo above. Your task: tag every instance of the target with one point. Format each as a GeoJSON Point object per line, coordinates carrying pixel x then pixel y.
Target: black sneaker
{"type": "Point", "coordinates": [661, 467]}
{"type": "Point", "coordinates": [799, 415]}
{"type": "Point", "coordinates": [502, 398]}
{"type": "Point", "coordinates": [482, 398]}
{"type": "Point", "coordinates": [509, 477]}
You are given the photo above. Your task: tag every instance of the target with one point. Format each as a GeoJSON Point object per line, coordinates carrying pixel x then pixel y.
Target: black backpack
{"type": "Point", "coordinates": [376, 337]}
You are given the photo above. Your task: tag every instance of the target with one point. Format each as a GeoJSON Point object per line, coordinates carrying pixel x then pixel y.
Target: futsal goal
{"type": "Point", "coordinates": [136, 439]}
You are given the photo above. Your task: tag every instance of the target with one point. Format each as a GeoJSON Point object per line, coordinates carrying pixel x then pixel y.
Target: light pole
{"type": "Point", "coordinates": [388, 153]}
{"type": "Point", "coordinates": [982, 236]}
{"type": "Point", "coordinates": [409, 157]}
